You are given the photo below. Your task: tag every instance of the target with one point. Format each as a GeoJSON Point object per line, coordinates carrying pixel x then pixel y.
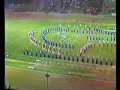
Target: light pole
{"type": "Point", "coordinates": [47, 76]}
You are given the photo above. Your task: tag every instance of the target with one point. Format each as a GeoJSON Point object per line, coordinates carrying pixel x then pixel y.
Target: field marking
{"type": "Point", "coordinates": [59, 74]}
{"type": "Point", "coordinates": [18, 61]}
{"type": "Point", "coordinates": [75, 39]}
{"type": "Point", "coordinates": [35, 65]}
{"type": "Point", "coordinates": [114, 67]}
{"type": "Point", "coordinates": [30, 67]}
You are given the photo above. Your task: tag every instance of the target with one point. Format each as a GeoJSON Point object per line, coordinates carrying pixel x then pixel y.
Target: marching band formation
{"type": "Point", "coordinates": [52, 48]}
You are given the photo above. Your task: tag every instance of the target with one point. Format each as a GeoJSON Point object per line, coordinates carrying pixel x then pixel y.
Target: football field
{"type": "Point", "coordinates": [26, 72]}
{"type": "Point", "coordinates": [17, 39]}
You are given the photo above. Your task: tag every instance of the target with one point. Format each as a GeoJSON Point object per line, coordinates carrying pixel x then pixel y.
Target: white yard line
{"type": "Point", "coordinates": [35, 65]}
{"type": "Point", "coordinates": [75, 38]}
{"type": "Point", "coordinates": [58, 74]}
{"type": "Point", "coordinates": [30, 67]}
{"type": "Point", "coordinates": [18, 61]}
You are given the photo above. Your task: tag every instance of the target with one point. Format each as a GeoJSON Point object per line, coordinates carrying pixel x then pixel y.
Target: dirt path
{"type": "Point", "coordinates": [59, 17]}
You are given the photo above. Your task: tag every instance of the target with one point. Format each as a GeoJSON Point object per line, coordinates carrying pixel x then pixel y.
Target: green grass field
{"type": "Point", "coordinates": [17, 38]}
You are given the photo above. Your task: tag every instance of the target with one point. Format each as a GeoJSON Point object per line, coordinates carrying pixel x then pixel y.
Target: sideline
{"type": "Point", "coordinates": [60, 74]}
